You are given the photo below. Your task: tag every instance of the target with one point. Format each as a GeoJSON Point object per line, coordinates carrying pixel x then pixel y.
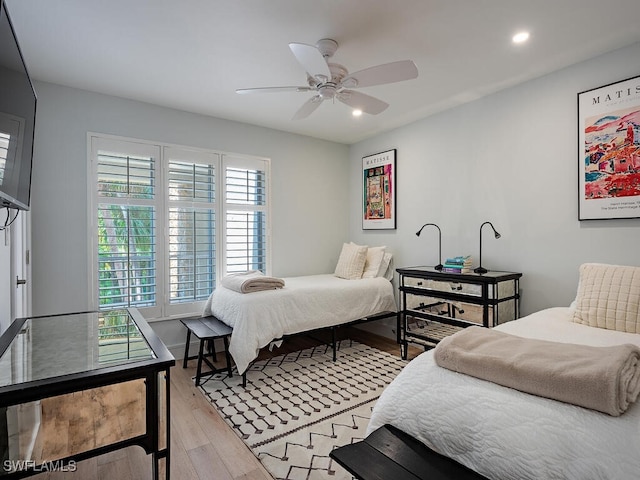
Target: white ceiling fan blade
{"type": "Point", "coordinates": [381, 74]}
{"type": "Point", "coordinates": [366, 103]}
{"type": "Point", "coordinates": [311, 60]}
{"type": "Point", "coordinates": [308, 108]}
{"type": "Point", "coordinates": [273, 89]}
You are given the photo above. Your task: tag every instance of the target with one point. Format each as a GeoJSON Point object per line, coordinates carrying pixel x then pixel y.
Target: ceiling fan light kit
{"type": "Point", "coordinates": [332, 81]}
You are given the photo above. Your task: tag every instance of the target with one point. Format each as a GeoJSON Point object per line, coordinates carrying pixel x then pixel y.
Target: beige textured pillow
{"type": "Point", "coordinates": [351, 262]}
{"type": "Point", "coordinates": [374, 259]}
{"type": "Point", "coordinates": [608, 297]}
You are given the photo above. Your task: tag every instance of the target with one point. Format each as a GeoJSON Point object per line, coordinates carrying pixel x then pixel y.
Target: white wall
{"type": "Point", "coordinates": [309, 185]}
{"type": "Point", "coordinates": [510, 158]}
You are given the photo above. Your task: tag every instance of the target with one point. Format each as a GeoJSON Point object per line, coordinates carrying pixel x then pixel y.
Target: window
{"type": "Point", "coordinates": [245, 208]}
{"type": "Point", "coordinates": [160, 226]}
{"type": "Point", "coordinates": [126, 207]}
{"type": "Point", "coordinates": [191, 193]}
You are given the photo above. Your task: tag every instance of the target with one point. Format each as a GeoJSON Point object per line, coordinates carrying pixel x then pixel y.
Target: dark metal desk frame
{"type": "Point", "coordinates": [148, 370]}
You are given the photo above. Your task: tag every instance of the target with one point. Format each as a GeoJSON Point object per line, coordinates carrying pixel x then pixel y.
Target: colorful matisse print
{"type": "Point", "coordinates": [378, 198]}
{"type": "Point", "coordinates": [612, 155]}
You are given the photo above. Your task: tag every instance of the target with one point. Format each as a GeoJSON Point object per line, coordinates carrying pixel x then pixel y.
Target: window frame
{"type": "Point", "coordinates": [164, 309]}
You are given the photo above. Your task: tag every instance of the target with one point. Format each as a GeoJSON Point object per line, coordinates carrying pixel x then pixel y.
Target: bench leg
{"type": "Point", "coordinates": [211, 347]}
{"type": "Point", "coordinates": [200, 356]}
{"type": "Point", "coordinates": [186, 349]}
{"type": "Point", "coordinates": [227, 355]}
{"type": "Point", "coordinates": [333, 341]}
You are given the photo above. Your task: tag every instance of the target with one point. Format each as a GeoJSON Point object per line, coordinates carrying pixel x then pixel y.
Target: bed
{"type": "Point", "coordinates": [504, 433]}
{"type": "Point", "coordinates": [306, 303]}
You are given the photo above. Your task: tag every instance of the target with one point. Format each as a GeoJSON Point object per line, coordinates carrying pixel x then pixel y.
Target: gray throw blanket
{"type": "Point", "coordinates": [251, 281]}
{"type": "Point", "coordinates": [606, 379]}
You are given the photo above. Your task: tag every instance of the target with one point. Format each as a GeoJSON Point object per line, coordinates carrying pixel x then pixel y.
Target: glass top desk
{"type": "Point", "coordinates": [77, 385]}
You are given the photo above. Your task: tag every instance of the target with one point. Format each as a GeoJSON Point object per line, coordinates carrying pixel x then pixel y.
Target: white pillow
{"type": "Point", "coordinates": [386, 269]}
{"type": "Point", "coordinates": [375, 255]}
{"type": "Point", "coordinates": [351, 261]}
{"type": "Point", "coordinates": [608, 297]}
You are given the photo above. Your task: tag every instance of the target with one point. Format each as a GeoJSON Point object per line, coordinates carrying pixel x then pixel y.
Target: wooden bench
{"type": "Point", "coordinates": [207, 329]}
{"type": "Point", "coordinates": [389, 453]}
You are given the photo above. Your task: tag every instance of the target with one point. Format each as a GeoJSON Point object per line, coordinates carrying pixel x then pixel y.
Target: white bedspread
{"type": "Point", "coordinates": [506, 434]}
{"type": "Point", "coordinates": [305, 303]}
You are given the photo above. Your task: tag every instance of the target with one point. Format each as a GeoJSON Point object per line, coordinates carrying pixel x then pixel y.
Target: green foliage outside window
{"type": "Point", "coordinates": [126, 256]}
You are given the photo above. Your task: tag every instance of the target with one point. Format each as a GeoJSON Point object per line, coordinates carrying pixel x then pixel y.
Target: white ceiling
{"type": "Point", "coordinates": [193, 54]}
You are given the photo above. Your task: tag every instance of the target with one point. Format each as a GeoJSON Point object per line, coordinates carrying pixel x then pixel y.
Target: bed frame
{"type": "Point", "coordinates": [333, 329]}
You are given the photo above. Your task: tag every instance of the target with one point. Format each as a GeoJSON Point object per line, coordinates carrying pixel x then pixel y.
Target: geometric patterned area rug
{"type": "Point", "coordinates": [298, 407]}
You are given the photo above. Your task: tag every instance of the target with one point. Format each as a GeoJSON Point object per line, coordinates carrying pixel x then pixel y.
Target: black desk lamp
{"type": "Point", "coordinates": [439, 266]}
{"type": "Point", "coordinates": [480, 269]}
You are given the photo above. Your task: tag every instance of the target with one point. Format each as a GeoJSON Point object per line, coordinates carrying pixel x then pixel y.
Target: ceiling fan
{"type": "Point", "coordinates": [333, 81]}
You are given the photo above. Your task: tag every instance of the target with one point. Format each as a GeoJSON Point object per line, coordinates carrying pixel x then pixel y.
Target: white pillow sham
{"type": "Point", "coordinates": [386, 267]}
{"type": "Point", "coordinates": [375, 256]}
{"type": "Point", "coordinates": [608, 297]}
{"type": "Point", "coordinates": [351, 261]}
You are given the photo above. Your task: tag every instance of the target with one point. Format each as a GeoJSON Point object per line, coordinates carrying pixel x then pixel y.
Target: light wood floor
{"type": "Point", "coordinates": [203, 447]}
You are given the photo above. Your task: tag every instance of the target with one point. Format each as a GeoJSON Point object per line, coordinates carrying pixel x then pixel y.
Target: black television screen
{"type": "Point", "coordinates": [17, 119]}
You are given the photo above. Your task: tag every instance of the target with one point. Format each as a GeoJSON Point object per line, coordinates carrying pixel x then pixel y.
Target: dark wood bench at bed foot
{"type": "Point", "coordinates": [207, 329]}
{"type": "Point", "coordinates": [390, 454]}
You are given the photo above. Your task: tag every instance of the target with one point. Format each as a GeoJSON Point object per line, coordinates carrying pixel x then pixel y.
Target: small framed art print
{"type": "Point", "coordinates": [379, 191]}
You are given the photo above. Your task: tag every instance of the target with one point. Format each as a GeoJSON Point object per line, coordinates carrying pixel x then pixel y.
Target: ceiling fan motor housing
{"type": "Point", "coordinates": [327, 88]}
{"type": "Point", "coordinates": [327, 92]}
{"type": "Point", "coordinates": [327, 47]}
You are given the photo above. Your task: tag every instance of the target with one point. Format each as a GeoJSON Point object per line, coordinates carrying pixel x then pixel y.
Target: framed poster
{"type": "Point", "coordinates": [609, 151]}
{"type": "Point", "coordinates": [379, 191]}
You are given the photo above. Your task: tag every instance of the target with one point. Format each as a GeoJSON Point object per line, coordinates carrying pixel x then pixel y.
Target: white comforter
{"type": "Point", "coordinates": [506, 434]}
{"type": "Point", "coordinates": [305, 303]}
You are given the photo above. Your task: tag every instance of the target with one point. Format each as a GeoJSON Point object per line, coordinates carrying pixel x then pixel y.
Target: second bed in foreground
{"type": "Point", "coordinates": [504, 433]}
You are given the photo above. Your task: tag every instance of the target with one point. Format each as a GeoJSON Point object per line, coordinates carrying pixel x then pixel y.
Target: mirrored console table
{"type": "Point", "coordinates": [435, 304]}
{"type": "Point", "coordinates": [77, 385]}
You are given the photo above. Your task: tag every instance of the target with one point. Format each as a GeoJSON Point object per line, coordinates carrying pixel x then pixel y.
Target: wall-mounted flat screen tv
{"type": "Point", "coordinates": [17, 119]}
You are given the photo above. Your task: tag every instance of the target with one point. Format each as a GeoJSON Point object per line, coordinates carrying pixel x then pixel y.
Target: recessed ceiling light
{"type": "Point", "coordinates": [357, 112]}
{"type": "Point", "coordinates": [520, 37]}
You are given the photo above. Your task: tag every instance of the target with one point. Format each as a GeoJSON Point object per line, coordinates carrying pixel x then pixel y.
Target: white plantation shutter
{"type": "Point", "coordinates": [191, 178]}
{"type": "Point", "coordinates": [126, 262]}
{"type": "Point", "coordinates": [126, 218]}
{"type": "Point", "coordinates": [191, 254]}
{"type": "Point", "coordinates": [246, 214]}
{"type": "Point", "coordinates": [168, 221]}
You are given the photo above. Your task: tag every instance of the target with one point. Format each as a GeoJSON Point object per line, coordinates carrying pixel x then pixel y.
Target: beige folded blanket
{"type": "Point", "coordinates": [606, 379]}
{"type": "Point", "coordinates": [251, 281]}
